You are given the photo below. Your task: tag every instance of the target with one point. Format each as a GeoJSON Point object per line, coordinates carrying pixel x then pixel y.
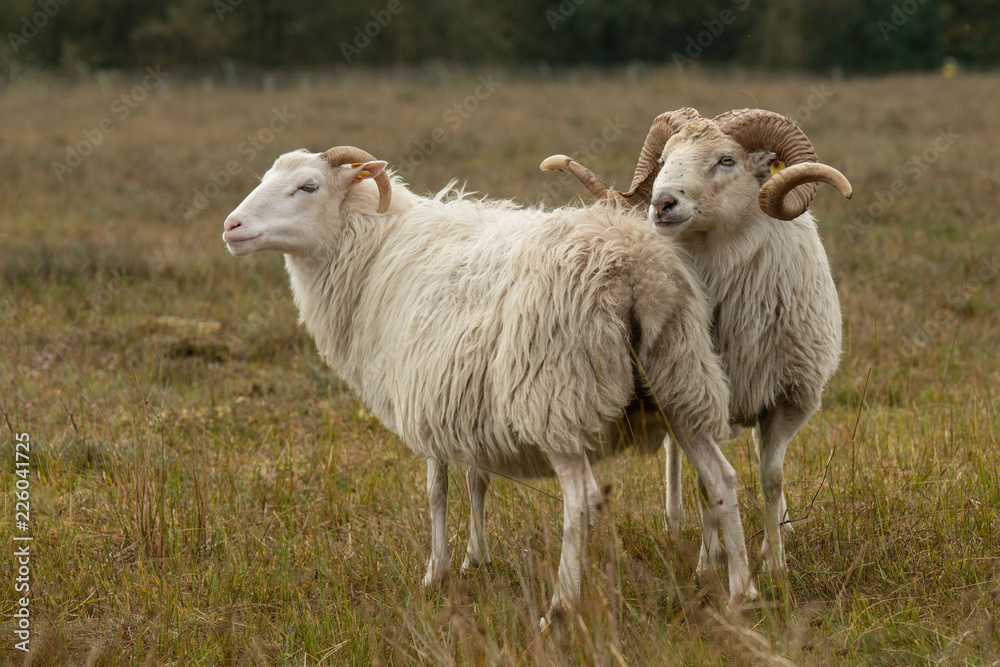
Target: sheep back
{"type": "Point", "coordinates": [489, 334]}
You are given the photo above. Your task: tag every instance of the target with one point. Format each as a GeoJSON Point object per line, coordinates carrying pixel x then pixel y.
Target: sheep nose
{"type": "Point", "coordinates": [662, 205]}
{"type": "Point", "coordinates": [232, 223]}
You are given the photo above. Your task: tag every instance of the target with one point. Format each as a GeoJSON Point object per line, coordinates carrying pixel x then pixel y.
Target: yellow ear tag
{"type": "Point", "coordinates": [776, 166]}
{"type": "Point", "coordinates": [364, 173]}
{"type": "Point", "coordinates": [356, 164]}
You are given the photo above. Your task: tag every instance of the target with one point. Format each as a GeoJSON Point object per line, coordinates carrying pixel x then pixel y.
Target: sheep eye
{"type": "Point", "coordinates": [309, 187]}
{"type": "Point", "coordinates": [727, 160]}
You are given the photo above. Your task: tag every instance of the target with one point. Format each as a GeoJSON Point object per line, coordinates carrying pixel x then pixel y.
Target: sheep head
{"type": "Point", "coordinates": [754, 134]}
{"type": "Point", "coordinates": [291, 209]}
{"type": "Point", "coordinates": [704, 179]}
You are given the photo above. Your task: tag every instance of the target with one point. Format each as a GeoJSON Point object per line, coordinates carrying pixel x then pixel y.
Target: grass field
{"type": "Point", "coordinates": [204, 491]}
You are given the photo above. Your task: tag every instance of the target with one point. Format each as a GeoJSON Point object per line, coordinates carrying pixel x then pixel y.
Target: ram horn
{"type": "Point", "coordinates": [590, 180]}
{"type": "Point", "coordinates": [341, 155]}
{"type": "Point", "coordinates": [664, 126]}
{"type": "Point", "coordinates": [756, 129]}
{"type": "Point", "coordinates": [640, 192]}
{"type": "Point", "coordinates": [773, 194]}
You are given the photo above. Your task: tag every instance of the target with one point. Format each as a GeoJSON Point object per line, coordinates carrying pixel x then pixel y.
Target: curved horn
{"type": "Point", "coordinates": [590, 180]}
{"type": "Point", "coordinates": [772, 194]}
{"type": "Point", "coordinates": [757, 129]}
{"type": "Point", "coordinates": [349, 155]}
{"type": "Point", "coordinates": [664, 126]}
{"type": "Point", "coordinates": [639, 194]}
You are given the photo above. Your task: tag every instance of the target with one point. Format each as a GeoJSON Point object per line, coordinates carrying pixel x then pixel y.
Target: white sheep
{"type": "Point", "coordinates": [509, 339]}
{"type": "Point", "coordinates": [775, 313]}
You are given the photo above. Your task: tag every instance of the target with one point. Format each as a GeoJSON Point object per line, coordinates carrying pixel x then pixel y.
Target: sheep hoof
{"type": "Point", "coordinates": [770, 561]}
{"type": "Point", "coordinates": [434, 579]}
{"type": "Point", "coordinates": [746, 600]}
{"type": "Point", "coordinates": [552, 616]}
{"type": "Point", "coordinates": [705, 576]}
{"type": "Point", "coordinates": [703, 572]}
{"type": "Point", "coordinates": [708, 563]}
{"type": "Point", "coordinates": [468, 565]}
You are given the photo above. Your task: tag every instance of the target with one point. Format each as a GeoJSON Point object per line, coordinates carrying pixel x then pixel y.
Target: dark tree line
{"type": "Point", "coordinates": [856, 36]}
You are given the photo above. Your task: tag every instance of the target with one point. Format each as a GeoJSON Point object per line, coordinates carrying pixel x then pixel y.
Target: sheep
{"type": "Point", "coordinates": [511, 340]}
{"type": "Point", "coordinates": [775, 312]}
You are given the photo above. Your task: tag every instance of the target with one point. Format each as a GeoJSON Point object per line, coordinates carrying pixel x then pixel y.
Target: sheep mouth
{"type": "Point", "coordinates": [671, 223]}
{"type": "Point", "coordinates": [240, 245]}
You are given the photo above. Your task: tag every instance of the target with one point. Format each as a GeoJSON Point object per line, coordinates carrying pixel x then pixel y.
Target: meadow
{"type": "Point", "coordinates": [203, 490]}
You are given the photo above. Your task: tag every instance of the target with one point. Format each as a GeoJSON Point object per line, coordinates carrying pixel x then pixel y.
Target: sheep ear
{"type": "Point", "coordinates": [762, 164]}
{"type": "Point", "coordinates": [360, 171]}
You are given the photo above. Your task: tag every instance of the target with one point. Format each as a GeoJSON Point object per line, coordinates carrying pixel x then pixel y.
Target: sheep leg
{"type": "Point", "coordinates": [785, 528]}
{"type": "Point", "coordinates": [777, 427]}
{"type": "Point", "coordinates": [710, 557]}
{"type": "Point", "coordinates": [437, 495]}
{"type": "Point", "coordinates": [675, 506]}
{"type": "Point", "coordinates": [477, 553]}
{"type": "Point", "coordinates": [581, 496]}
{"type": "Point", "coordinates": [717, 479]}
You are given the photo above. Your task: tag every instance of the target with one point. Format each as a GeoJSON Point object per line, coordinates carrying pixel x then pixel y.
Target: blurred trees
{"type": "Point", "coordinates": [854, 36]}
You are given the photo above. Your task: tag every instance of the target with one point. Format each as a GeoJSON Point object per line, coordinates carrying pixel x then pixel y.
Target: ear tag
{"type": "Point", "coordinates": [364, 173]}
{"type": "Point", "coordinates": [776, 166]}
{"type": "Point", "coordinates": [356, 164]}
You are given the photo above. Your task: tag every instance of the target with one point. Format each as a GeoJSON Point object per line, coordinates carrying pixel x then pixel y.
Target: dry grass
{"type": "Point", "coordinates": [205, 491]}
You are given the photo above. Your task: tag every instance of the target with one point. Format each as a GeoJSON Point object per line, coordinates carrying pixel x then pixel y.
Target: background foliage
{"type": "Point", "coordinates": [854, 36]}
